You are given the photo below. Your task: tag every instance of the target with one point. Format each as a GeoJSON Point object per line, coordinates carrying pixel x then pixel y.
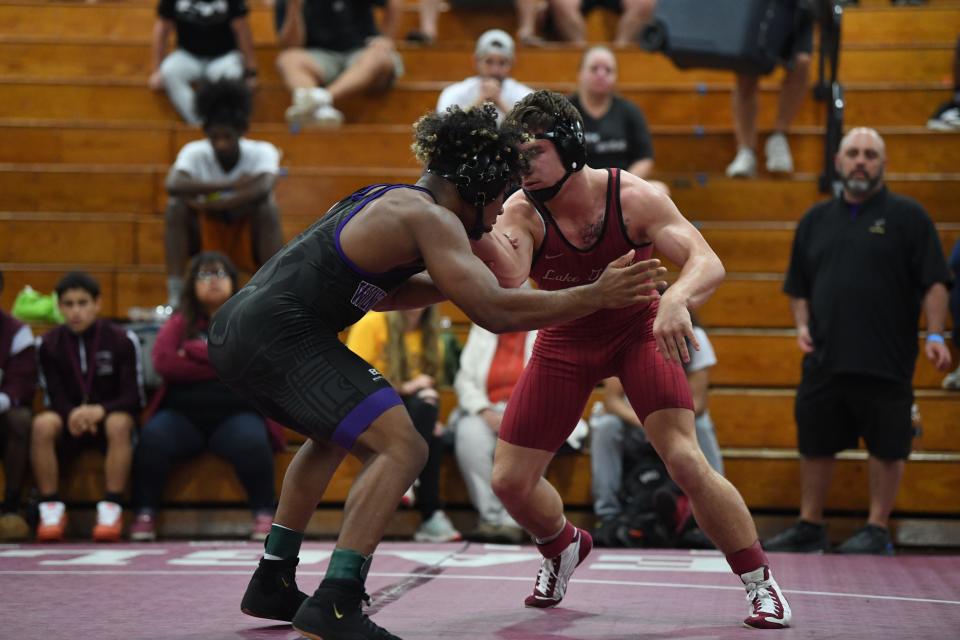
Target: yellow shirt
{"type": "Point", "coordinates": [368, 339]}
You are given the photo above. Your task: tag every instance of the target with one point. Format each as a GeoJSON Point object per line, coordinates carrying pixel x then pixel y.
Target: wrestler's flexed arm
{"type": "Point", "coordinates": [651, 215]}
{"type": "Point", "coordinates": [508, 250]}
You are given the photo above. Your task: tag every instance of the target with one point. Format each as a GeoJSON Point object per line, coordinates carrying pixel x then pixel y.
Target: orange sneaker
{"type": "Point", "coordinates": [53, 522]}
{"type": "Point", "coordinates": [109, 522]}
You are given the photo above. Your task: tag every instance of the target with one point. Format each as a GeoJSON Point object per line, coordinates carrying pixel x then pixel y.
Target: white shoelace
{"type": "Point", "coordinates": [760, 596]}
{"type": "Point", "coordinates": [545, 575]}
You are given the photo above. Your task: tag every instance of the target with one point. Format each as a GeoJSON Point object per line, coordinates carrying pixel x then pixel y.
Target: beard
{"type": "Point", "coordinates": [862, 185]}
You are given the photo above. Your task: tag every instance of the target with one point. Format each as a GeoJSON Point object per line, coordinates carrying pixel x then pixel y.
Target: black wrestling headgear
{"type": "Point", "coordinates": [479, 181]}
{"type": "Point", "coordinates": [567, 136]}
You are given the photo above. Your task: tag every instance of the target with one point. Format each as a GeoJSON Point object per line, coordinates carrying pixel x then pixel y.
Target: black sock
{"type": "Point", "coordinates": [113, 497]}
{"type": "Point", "coordinates": [52, 497]}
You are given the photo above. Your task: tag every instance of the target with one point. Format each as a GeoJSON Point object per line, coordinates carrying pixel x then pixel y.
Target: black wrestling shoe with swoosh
{"type": "Point", "coordinates": [333, 612]}
{"type": "Point", "coordinates": [272, 592]}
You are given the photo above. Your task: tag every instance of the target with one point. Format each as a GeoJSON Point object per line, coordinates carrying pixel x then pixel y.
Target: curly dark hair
{"type": "Point", "coordinates": [539, 111]}
{"type": "Point", "coordinates": [443, 140]}
{"type": "Point", "coordinates": [224, 102]}
{"type": "Point", "coordinates": [190, 306]}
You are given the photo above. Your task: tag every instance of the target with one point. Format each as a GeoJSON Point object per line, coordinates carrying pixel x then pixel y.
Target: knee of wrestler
{"type": "Point", "coordinates": [687, 467]}
{"type": "Point", "coordinates": [510, 483]}
{"type": "Point", "coordinates": [414, 449]}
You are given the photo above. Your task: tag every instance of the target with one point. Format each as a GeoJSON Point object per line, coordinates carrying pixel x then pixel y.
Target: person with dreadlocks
{"type": "Point", "coordinates": [276, 343]}
{"type": "Point", "coordinates": [225, 177]}
{"type": "Point", "coordinates": [565, 224]}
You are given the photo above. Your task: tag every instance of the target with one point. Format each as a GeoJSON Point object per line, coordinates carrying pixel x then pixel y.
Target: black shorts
{"type": "Point", "coordinates": [305, 380]}
{"type": "Point", "coordinates": [834, 412]}
{"type": "Point", "coordinates": [800, 39]}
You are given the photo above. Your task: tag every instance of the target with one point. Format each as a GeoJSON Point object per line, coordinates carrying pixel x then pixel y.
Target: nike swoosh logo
{"type": "Point", "coordinates": [336, 612]}
{"type": "Point", "coordinates": [559, 255]}
{"type": "Point", "coordinates": [286, 585]}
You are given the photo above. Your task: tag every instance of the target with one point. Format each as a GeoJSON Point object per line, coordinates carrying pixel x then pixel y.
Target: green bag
{"type": "Point", "coordinates": [32, 306]}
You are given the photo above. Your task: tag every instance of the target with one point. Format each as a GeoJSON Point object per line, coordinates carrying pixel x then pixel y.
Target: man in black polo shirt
{"type": "Point", "coordinates": [862, 268]}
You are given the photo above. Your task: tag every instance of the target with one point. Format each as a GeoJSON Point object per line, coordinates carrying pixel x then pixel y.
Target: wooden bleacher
{"type": "Point", "coordinates": [86, 147]}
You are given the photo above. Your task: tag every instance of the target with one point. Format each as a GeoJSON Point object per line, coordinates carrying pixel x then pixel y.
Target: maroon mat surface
{"type": "Point", "coordinates": [181, 591]}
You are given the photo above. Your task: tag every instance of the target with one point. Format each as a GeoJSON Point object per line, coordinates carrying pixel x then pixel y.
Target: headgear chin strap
{"type": "Point", "coordinates": [479, 180]}
{"type": "Point", "coordinates": [567, 137]}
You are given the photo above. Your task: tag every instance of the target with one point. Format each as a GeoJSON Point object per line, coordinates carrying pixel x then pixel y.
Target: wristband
{"type": "Point", "coordinates": [935, 337]}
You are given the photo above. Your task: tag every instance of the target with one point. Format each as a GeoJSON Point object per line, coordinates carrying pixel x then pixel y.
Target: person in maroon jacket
{"type": "Point", "coordinates": [92, 381]}
{"type": "Point", "coordinates": [18, 383]}
{"type": "Point", "coordinates": [194, 411]}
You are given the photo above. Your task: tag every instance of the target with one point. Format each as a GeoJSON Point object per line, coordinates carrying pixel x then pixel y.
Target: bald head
{"type": "Point", "coordinates": [864, 136]}
{"type": "Point", "coordinates": [861, 161]}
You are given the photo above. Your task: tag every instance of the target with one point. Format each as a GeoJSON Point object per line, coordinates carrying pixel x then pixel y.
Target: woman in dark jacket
{"type": "Point", "coordinates": [193, 411]}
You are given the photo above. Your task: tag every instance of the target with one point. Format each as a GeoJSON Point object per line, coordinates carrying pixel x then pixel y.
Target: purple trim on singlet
{"type": "Point", "coordinates": [363, 195]}
{"type": "Point", "coordinates": [357, 421]}
{"type": "Point", "coordinates": [854, 210]}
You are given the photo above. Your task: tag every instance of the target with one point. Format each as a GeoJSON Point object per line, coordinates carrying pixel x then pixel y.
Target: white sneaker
{"type": "Point", "coordinates": [437, 529]}
{"type": "Point", "coordinates": [555, 573]}
{"type": "Point", "coordinates": [769, 609]}
{"type": "Point", "coordinates": [952, 380]}
{"type": "Point", "coordinates": [53, 522]}
{"type": "Point", "coordinates": [778, 155]}
{"type": "Point", "coordinates": [744, 165]}
{"type": "Point", "coordinates": [409, 498]}
{"type": "Point", "coordinates": [327, 116]}
{"type": "Point", "coordinates": [306, 100]}
{"type": "Point", "coordinates": [109, 522]}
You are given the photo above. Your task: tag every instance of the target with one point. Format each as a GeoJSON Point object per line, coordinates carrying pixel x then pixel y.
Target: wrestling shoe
{"type": "Point", "coordinates": [803, 537]}
{"type": "Point", "coordinates": [333, 613]}
{"type": "Point", "coordinates": [53, 522]}
{"type": "Point", "coordinates": [769, 609]}
{"type": "Point", "coordinates": [555, 572]}
{"type": "Point", "coordinates": [272, 592]}
{"type": "Point", "coordinates": [871, 539]}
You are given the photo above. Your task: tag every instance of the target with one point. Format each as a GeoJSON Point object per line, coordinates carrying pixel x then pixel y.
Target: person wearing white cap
{"type": "Point", "coordinates": [494, 56]}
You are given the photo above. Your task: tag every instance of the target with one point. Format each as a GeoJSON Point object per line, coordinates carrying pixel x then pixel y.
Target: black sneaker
{"type": "Point", "coordinates": [803, 537]}
{"type": "Point", "coordinates": [870, 539]}
{"type": "Point", "coordinates": [333, 613]}
{"type": "Point", "coordinates": [272, 592]}
{"type": "Point", "coordinates": [945, 118]}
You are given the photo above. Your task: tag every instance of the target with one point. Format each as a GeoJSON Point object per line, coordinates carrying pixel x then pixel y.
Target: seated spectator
{"type": "Point", "coordinates": [793, 89]}
{"type": "Point", "coordinates": [567, 17]}
{"type": "Point", "coordinates": [225, 179]}
{"type": "Point", "coordinates": [947, 115]}
{"type": "Point", "coordinates": [213, 43]}
{"type": "Point", "coordinates": [18, 383]}
{"type": "Point", "coordinates": [194, 412]}
{"type": "Point", "coordinates": [331, 50]}
{"type": "Point", "coordinates": [90, 373]}
{"type": "Point", "coordinates": [490, 366]}
{"type": "Point", "coordinates": [429, 14]}
{"type": "Point", "coordinates": [614, 128]}
{"type": "Point", "coordinates": [405, 347]}
{"type": "Point", "coordinates": [607, 431]}
{"type": "Point", "coordinates": [493, 55]}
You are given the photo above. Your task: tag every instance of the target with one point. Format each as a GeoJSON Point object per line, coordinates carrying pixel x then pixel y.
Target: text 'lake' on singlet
{"type": "Point", "coordinates": [558, 264]}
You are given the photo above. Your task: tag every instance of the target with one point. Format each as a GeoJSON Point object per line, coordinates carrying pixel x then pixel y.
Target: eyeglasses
{"type": "Point", "coordinates": [206, 276]}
